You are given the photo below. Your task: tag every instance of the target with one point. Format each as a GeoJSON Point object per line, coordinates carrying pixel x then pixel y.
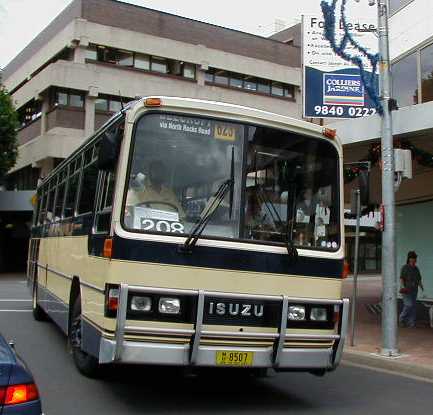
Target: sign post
{"type": "Point", "coordinates": [389, 266]}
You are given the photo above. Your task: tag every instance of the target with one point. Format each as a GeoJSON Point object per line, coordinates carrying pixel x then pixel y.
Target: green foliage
{"type": "Point", "coordinates": [8, 133]}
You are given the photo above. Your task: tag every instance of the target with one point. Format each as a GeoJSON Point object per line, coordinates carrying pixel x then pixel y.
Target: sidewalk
{"type": "Point", "coordinates": [416, 345]}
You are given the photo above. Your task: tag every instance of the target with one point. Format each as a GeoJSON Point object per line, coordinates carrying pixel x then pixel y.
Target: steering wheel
{"type": "Point", "coordinates": [156, 202]}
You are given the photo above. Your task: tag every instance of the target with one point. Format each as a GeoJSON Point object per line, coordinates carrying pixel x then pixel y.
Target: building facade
{"type": "Point", "coordinates": [411, 48]}
{"type": "Point", "coordinates": [98, 54]}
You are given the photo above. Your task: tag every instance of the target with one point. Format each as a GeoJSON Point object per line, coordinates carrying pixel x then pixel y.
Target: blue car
{"type": "Point", "coordinates": [18, 392]}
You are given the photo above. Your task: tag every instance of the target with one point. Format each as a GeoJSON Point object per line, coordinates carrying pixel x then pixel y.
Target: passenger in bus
{"type": "Point", "coordinates": [307, 204]}
{"type": "Point", "coordinates": [152, 191]}
{"type": "Point", "coordinates": [305, 211]}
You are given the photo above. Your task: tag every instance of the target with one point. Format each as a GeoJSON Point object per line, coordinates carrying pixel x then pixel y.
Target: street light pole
{"type": "Point", "coordinates": [389, 276]}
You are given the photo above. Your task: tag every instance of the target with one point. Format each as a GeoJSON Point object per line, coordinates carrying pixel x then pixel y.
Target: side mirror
{"type": "Point", "coordinates": [109, 149]}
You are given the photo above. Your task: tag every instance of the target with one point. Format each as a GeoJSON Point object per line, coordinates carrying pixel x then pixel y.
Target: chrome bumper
{"type": "Point", "coordinates": [196, 354]}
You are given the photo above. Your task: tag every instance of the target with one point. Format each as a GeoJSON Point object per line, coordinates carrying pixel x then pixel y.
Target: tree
{"type": "Point", "coordinates": [8, 133]}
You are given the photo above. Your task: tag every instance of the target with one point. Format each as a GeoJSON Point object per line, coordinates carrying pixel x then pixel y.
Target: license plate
{"type": "Point", "coordinates": [233, 358]}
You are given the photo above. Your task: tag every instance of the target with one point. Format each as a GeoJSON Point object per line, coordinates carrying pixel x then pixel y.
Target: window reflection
{"type": "Point", "coordinates": [288, 189]}
{"type": "Point", "coordinates": [427, 73]}
{"type": "Point", "coordinates": [395, 5]}
{"type": "Point", "coordinates": [404, 81]}
{"type": "Point", "coordinates": [291, 190]}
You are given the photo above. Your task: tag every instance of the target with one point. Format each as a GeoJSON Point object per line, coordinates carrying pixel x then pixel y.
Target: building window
{"type": "Point", "coordinates": [105, 54]}
{"type": "Point", "coordinates": [427, 73]}
{"type": "Point", "coordinates": [76, 100]}
{"type": "Point", "coordinates": [109, 103]}
{"type": "Point", "coordinates": [114, 105]}
{"type": "Point", "coordinates": [68, 98]}
{"type": "Point", "coordinates": [62, 98]}
{"type": "Point", "coordinates": [158, 64]}
{"type": "Point", "coordinates": [101, 104]}
{"type": "Point", "coordinates": [23, 179]}
{"type": "Point", "coordinates": [188, 70]}
{"type": "Point", "coordinates": [221, 77]}
{"type": "Point", "coordinates": [236, 81]}
{"type": "Point", "coordinates": [209, 77]}
{"type": "Point", "coordinates": [289, 91]}
{"type": "Point", "coordinates": [30, 112]}
{"type": "Point", "coordinates": [277, 89]}
{"type": "Point", "coordinates": [91, 53]}
{"type": "Point", "coordinates": [142, 61]}
{"type": "Point", "coordinates": [405, 81]}
{"type": "Point", "coordinates": [125, 58]}
{"type": "Point", "coordinates": [396, 5]}
{"type": "Point", "coordinates": [249, 83]}
{"type": "Point", "coordinates": [264, 86]}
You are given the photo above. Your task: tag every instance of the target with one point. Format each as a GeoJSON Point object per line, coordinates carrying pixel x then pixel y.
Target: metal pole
{"type": "Point", "coordinates": [389, 280]}
{"type": "Point", "coordinates": [356, 266]}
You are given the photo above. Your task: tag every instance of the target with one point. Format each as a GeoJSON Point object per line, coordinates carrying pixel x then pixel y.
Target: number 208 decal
{"type": "Point", "coordinates": [161, 226]}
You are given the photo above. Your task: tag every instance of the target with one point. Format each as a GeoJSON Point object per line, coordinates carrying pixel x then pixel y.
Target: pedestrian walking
{"type": "Point", "coordinates": [410, 279]}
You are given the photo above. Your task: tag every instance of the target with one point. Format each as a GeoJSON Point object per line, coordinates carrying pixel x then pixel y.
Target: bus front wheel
{"type": "Point", "coordinates": [85, 363]}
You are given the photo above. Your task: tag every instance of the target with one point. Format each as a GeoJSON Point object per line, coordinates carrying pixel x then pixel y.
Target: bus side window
{"type": "Point", "coordinates": [88, 187]}
{"type": "Point", "coordinates": [38, 208]}
{"type": "Point", "coordinates": [50, 205]}
{"type": "Point", "coordinates": [42, 208]}
{"type": "Point", "coordinates": [105, 203]}
{"type": "Point", "coordinates": [72, 190]}
{"type": "Point", "coordinates": [59, 200]}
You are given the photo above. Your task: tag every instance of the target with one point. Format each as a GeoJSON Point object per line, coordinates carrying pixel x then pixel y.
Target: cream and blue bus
{"type": "Point", "coordinates": [195, 233]}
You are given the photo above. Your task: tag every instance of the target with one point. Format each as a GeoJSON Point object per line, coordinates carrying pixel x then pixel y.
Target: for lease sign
{"type": "Point", "coordinates": [332, 86]}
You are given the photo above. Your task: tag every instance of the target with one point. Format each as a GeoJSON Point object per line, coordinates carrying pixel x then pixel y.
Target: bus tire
{"type": "Point", "coordinates": [38, 313]}
{"type": "Point", "coordinates": [85, 363]}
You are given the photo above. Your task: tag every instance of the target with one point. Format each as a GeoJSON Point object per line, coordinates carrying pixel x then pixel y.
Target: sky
{"type": "Point", "coordinates": [22, 20]}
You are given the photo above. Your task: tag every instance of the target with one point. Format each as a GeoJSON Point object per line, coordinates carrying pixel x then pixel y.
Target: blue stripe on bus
{"type": "Point", "coordinates": [221, 258]}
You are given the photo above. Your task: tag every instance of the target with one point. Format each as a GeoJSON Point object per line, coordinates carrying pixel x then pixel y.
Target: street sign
{"type": "Point", "coordinates": [332, 86]}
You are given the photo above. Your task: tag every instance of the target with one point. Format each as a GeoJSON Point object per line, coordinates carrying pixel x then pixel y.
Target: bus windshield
{"type": "Point", "coordinates": [285, 184]}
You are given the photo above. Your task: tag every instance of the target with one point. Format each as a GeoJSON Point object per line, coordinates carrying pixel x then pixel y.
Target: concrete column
{"type": "Point", "coordinates": [80, 49]}
{"type": "Point", "coordinates": [201, 71]}
{"type": "Point", "coordinates": [89, 119]}
{"type": "Point", "coordinates": [44, 120]}
{"type": "Point", "coordinates": [80, 54]}
{"type": "Point", "coordinates": [45, 166]}
{"type": "Point", "coordinates": [200, 76]}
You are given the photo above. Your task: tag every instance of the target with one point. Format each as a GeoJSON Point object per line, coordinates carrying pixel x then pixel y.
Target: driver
{"type": "Point", "coordinates": [153, 190]}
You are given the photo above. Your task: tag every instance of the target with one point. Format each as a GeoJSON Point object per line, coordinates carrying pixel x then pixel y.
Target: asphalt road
{"type": "Point", "coordinates": [138, 390]}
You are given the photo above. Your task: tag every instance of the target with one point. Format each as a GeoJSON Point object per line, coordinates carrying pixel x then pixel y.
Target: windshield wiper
{"type": "Point", "coordinates": [211, 207]}
{"type": "Point", "coordinates": [275, 216]}
{"type": "Point", "coordinates": [291, 210]}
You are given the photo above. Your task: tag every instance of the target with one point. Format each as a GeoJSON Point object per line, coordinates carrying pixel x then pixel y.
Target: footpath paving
{"type": "Point", "coordinates": [415, 344]}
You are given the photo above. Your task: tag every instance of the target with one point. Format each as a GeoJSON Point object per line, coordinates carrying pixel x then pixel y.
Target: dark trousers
{"type": "Point", "coordinates": [408, 314]}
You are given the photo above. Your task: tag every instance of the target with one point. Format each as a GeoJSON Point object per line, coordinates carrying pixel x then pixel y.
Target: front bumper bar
{"type": "Point", "coordinates": [196, 354]}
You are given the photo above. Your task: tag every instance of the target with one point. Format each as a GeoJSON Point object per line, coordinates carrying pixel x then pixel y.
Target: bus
{"type": "Point", "coordinates": [194, 233]}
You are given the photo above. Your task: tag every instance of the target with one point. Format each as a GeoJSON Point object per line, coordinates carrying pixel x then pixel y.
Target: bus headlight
{"type": "Point", "coordinates": [319, 314]}
{"type": "Point", "coordinates": [169, 305]}
{"type": "Point", "coordinates": [296, 313]}
{"type": "Point", "coordinates": [139, 303]}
